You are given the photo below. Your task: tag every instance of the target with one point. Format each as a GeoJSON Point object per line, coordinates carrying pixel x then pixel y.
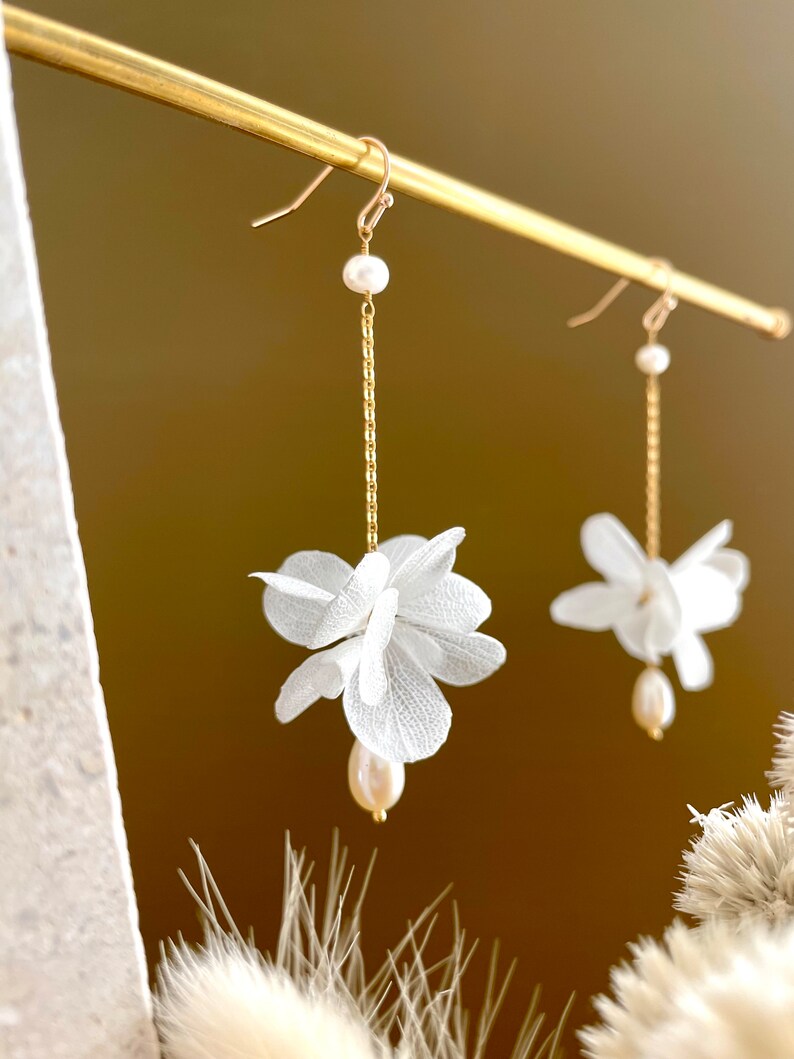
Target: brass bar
{"type": "Point", "coordinates": [62, 46]}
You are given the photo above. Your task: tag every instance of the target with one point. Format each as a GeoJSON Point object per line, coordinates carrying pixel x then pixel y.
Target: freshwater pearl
{"type": "Point", "coordinates": [653, 702]}
{"type": "Point", "coordinates": [365, 273]}
{"type": "Point", "coordinates": [652, 359]}
{"type": "Point", "coordinates": [376, 784]}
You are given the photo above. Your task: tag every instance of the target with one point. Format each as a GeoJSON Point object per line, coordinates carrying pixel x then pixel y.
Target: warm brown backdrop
{"type": "Point", "coordinates": [208, 380]}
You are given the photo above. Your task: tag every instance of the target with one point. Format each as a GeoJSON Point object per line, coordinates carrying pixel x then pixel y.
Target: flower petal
{"type": "Point", "coordinates": [372, 674]}
{"type": "Point", "coordinates": [351, 606]}
{"type": "Point", "coordinates": [298, 594]}
{"type": "Point", "coordinates": [665, 616]}
{"type": "Point", "coordinates": [611, 550]}
{"type": "Point", "coordinates": [702, 550]}
{"type": "Point", "coordinates": [398, 549]}
{"type": "Point", "coordinates": [650, 629]}
{"type": "Point", "coordinates": [594, 606]}
{"type": "Point", "coordinates": [323, 569]}
{"type": "Point", "coordinates": [412, 719]}
{"type": "Point", "coordinates": [321, 675]}
{"type": "Point", "coordinates": [708, 598]}
{"type": "Point", "coordinates": [663, 627]}
{"type": "Point", "coordinates": [631, 632]}
{"type": "Point", "coordinates": [455, 603]}
{"type": "Point", "coordinates": [693, 662]}
{"type": "Point", "coordinates": [734, 565]}
{"type": "Point", "coordinates": [293, 607]}
{"type": "Point", "coordinates": [454, 658]}
{"type": "Point", "coordinates": [338, 667]}
{"type": "Point", "coordinates": [293, 586]}
{"type": "Point", "coordinates": [298, 691]}
{"type": "Point", "coordinates": [427, 565]}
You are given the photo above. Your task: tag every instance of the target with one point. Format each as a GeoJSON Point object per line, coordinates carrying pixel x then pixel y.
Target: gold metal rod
{"type": "Point", "coordinates": [66, 48]}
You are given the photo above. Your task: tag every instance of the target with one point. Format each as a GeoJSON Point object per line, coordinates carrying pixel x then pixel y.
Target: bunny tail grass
{"type": "Point", "coordinates": [313, 998]}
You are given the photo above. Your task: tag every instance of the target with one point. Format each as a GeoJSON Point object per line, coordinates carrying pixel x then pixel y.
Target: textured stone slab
{"type": "Point", "coordinates": [72, 970]}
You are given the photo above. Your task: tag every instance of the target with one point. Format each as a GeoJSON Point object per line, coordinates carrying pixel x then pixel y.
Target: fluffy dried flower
{"type": "Point", "coordinates": [224, 1002]}
{"type": "Point", "coordinates": [710, 993]}
{"type": "Point", "coordinates": [782, 772]}
{"type": "Point", "coordinates": [313, 998]}
{"type": "Point", "coordinates": [741, 867]}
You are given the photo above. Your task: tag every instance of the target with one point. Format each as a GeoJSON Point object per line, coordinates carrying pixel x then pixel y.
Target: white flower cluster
{"type": "Point", "coordinates": [399, 619]}
{"type": "Point", "coordinates": [654, 608]}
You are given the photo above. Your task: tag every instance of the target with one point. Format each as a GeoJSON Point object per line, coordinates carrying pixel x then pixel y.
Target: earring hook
{"type": "Point", "coordinates": [382, 200]}
{"type": "Point", "coordinates": [369, 216]}
{"type": "Point", "coordinates": [654, 318]}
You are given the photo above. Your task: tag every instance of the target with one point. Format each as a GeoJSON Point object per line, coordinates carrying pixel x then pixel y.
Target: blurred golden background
{"type": "Point", "coordinates": [209, 386]}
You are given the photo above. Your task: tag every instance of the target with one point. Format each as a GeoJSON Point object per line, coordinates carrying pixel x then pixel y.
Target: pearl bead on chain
{"type": "Point", "coordinates": [365, 273]}
{"type": "Point", "coordinates": [652, 359]}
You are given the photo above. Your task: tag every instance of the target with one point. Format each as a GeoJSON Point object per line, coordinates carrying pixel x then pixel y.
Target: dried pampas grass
{"type": "Point", "coordinates": [313, 998]}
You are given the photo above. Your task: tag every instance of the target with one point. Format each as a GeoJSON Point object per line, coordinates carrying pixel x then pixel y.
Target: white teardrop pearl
{"type": "Point", "coordinates": [653, 702]}
{"type": "Point", "coordinates": [652, 359]}
{"type": "Point", "coordinates": [365, 273]}
{"type": "Point", "coordinates": [376, 784]}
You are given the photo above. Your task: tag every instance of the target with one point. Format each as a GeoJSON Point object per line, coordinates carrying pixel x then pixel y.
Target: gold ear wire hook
{"type": "Point", "coordinates": [382, 200]}
{"type": "Point", "coordinates": [268, 218]}
{"type": "Point", "coordinates": [369, 216]}
{"type": "Point", "coordinates": [600, 305]}
{"type": "Point", "coordinates": [656, 315]}
{"type": "Point", "coordinates": [654, 318]}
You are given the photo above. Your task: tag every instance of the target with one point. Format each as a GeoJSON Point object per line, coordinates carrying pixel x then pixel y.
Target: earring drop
{"type": "Point", "coordinates": [388, 629]}
{"type": "Point", "coordinates": [654, 608]}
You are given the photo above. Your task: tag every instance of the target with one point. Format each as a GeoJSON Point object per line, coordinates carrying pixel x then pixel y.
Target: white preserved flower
{"type": "Point", "coordinates": [741, 868]}
{"type": "Point", "coordinates": [656, 609]}
{"type": "Point", "coordinates": [402, 618]}
{"type": "Point", "coordinates": [710, 993]}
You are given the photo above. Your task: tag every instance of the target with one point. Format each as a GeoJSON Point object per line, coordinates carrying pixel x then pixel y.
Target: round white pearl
{"type": "Point", "coordinates": [652, 359]}
{"type": "Point", "coordinates": [653, 701]}
{"type": "Point", "coordinates": [366, 274]}
{"type": "Point", "coordinates": [376, 784]}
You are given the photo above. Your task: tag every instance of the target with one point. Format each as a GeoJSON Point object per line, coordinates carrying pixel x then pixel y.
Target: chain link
{"type": "Point", "coordinates": [653, 469]}
{"type": "Point", "coordinates": [370, 446]}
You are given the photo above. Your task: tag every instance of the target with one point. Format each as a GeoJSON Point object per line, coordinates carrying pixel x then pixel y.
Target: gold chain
{"type": "Point", "coordinates": [370, 448]}
{"type": "Point", "coordinates": [653, 469]}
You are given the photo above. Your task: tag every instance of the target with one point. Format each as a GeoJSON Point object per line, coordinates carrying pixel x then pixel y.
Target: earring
{"type": "Point", "coordinates": [400, 620]}
{"type": "Point", "coordinates": [655, 609]}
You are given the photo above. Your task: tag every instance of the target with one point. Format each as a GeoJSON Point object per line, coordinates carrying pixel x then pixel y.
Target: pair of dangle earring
{"type": "Point", "coordinates": [654, 608]}
{"type": "Point", "coordinates": [385, 631]}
